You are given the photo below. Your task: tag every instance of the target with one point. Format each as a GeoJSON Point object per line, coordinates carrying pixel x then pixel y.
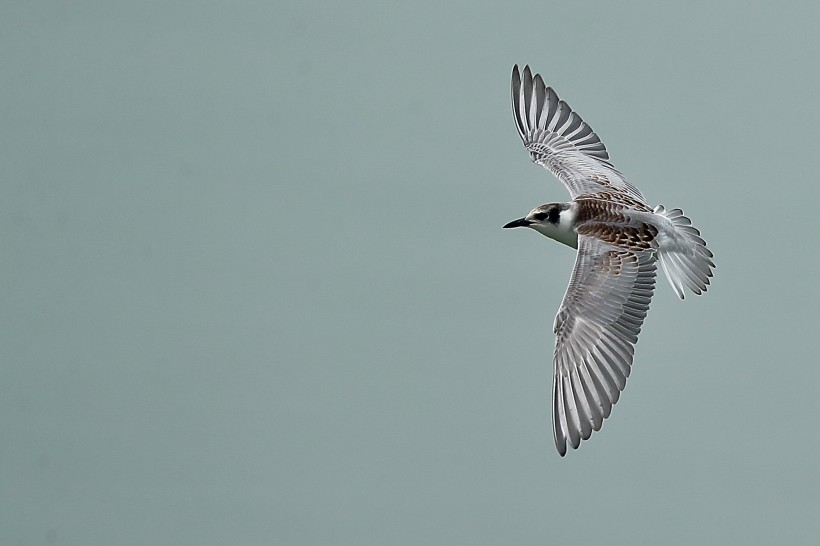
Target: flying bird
{"type": "Point", "coordinates": [620, 241]}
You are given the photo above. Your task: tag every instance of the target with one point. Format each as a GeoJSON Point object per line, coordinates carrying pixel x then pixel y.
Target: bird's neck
{"type": "Point", "coordinates": [564, 230]}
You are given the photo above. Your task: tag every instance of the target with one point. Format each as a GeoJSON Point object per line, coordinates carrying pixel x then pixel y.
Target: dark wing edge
{"type": "Point", "coordinates": [596, 330]}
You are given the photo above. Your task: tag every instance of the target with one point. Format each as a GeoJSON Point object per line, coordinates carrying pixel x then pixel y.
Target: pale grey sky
{"type": "Point", "coordinates": [257, 290]}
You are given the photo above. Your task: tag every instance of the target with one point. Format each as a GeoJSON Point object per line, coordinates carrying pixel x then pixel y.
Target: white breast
{"type": "Point", "coordinates": [564, 230]}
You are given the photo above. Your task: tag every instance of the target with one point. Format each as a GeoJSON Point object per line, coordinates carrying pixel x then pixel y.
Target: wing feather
{"type": "Point", "coordinates": [597, 327]}
{"type": "Point", "coordinates": [559, 140]}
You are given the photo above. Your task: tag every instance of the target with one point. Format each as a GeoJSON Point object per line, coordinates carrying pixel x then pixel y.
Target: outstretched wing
{"type": "Point", "coordinates": [596, 329]}
{"type": "Point", "coordinates": [558, 139]}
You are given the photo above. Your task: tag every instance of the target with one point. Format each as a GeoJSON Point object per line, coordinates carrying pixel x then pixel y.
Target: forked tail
{"type": "Point", "coordinates": [683, 255]}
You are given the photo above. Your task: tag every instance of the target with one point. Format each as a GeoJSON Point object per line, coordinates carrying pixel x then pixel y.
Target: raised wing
{"type": "Point", "coordinates": [558, 139]}
{"type": "Point", "coordinates": [596, 329]}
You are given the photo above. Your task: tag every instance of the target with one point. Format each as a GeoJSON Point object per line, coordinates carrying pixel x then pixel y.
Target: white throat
{"type": "Point", "coordinates": [564, 231]}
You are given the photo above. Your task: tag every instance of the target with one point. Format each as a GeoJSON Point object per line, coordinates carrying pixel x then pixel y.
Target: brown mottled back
{"type": "Point", "coordinates": [609, 221]}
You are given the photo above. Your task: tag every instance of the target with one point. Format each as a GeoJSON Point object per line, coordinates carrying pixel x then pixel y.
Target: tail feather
{"type": "Point", "coordinates": [683, 254]}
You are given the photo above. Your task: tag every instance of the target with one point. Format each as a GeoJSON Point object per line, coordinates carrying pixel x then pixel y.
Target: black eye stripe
{"type": "Point", "coordinates": [552, 215]}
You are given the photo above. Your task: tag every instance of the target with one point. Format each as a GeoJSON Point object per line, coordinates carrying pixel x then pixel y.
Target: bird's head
{"type": "Point", "coordinates": [555, 220]}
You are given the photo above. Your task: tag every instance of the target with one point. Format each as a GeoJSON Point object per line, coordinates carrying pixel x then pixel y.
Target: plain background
{"type": "Point", "coordinates": [256, 290]}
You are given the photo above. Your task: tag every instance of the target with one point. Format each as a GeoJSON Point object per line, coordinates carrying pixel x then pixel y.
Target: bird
{"type": "Point", "coordinates": [620, 241]}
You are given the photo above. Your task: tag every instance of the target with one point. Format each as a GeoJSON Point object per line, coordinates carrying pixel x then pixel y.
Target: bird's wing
{"type": "Point", "coordinates": [596, 328]}
{"type": "Point", "coordinates": [558, 139]}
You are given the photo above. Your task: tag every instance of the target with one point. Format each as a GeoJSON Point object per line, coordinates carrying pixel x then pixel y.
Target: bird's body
{"type": "Point", "coordinates": [620, 240]}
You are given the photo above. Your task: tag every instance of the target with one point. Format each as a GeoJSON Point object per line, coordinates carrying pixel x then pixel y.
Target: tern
{"type": "Point", "coordinates": [620, 241]}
